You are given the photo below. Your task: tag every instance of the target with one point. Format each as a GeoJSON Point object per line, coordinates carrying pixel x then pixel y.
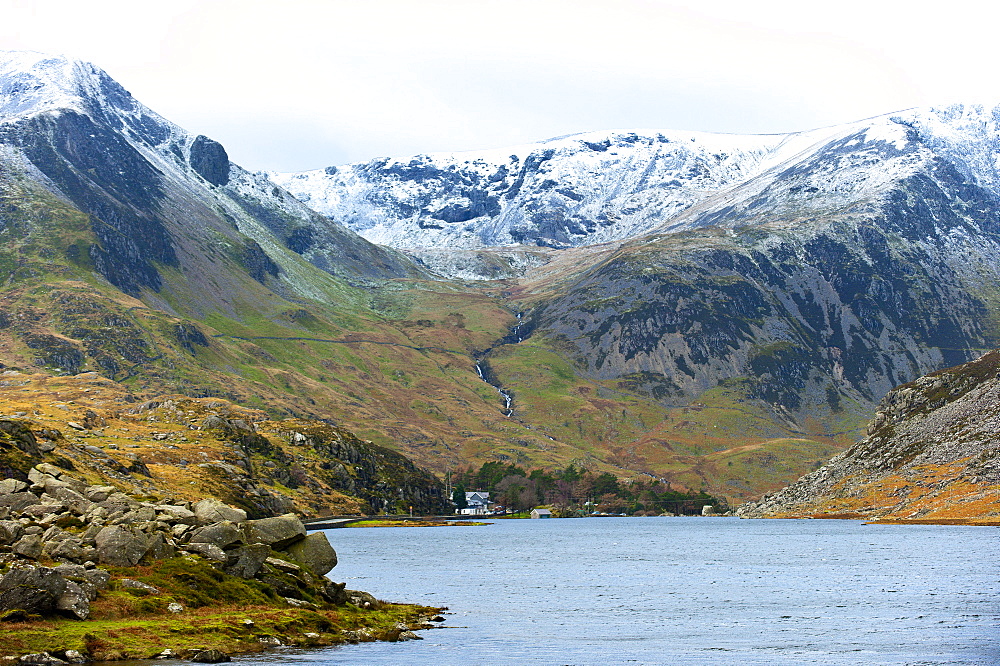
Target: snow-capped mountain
{"type": "Point", "coordinates": [159, 196]}
{"type": "Point", "coordinates": [604, 187]}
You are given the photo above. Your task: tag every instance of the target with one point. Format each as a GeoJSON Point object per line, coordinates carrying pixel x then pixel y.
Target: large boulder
{"type": "Point", "coordinates": [8, 486]}
{"type": "Point", "coordinates": [31, 589]}
{"type": "Point", "coordinates": [278, 532]}
{"type": "Point", "coordinates": [221, 534]}
{"type": "Point", "coordinates": [74, 601]}
{"type": "Point", "coordinates": [10, 531]}
{"type": "Point", "coordinates": [211, 510]}
{"type": "Point", "coordinates": [19, 501]}
{"type": "Point", "coordinates": [120, 546]}
{"type": "Point", "coordinates": [315, 552]}
{"type": "Point", "coordinates": [176, 514]}
{"type": "Point", "coordinates": [245, 562]}
{"type": "Point", "coordinates": [208, 551]}
{"type": "Point", "coordinates": [30, 546]}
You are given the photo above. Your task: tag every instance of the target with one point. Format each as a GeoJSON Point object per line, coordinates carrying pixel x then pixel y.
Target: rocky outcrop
{"type": "Point", "coordinates": [116, 530]}
{"type": "Point", "coordinates": [932, 453]}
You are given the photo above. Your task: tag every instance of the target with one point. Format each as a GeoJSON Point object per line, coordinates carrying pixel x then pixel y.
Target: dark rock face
{"type": "Point", "coordinates": [373, 473]}
{"type": "Point", "coordinates": [257, 263]}
{"type": "Point", "coordinates": [104, 176]}
{"type": "Point", "coordinates": [852, 308]}
{"type": "Point", "coordinates": [32, 589]}
{"type": "Point", "coordinates": [210, 160]}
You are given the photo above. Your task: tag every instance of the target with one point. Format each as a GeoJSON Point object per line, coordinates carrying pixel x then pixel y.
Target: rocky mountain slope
{"type": "Point", "coordinates": [191, 448]}
{"type": "Point", "coordinates": [158, 198]}
{"type": "Point", "coordinates": [932, 453]}
{"type": "Point", "coordinates": [718, 312]}
{"type": "Point", "coordinates": [798, 276]}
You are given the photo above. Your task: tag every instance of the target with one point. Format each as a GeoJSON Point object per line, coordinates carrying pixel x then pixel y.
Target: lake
{"type": "Point", "coordinates": [678, 591]}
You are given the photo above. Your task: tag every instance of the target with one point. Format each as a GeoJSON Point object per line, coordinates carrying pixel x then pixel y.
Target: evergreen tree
{"type": "Point", "coordinates": [458, 497]}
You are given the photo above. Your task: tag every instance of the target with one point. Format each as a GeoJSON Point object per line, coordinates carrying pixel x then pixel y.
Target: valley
{"type": "Point", "coordinates": [720, 313]}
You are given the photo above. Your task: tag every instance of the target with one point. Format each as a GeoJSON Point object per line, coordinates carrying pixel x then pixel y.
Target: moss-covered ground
{"type": "Point", "coordinates": [219, 612]}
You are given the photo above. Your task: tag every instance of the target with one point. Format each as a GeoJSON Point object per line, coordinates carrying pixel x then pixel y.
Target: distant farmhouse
{"type": "Point", "coordinates": [477, 504]}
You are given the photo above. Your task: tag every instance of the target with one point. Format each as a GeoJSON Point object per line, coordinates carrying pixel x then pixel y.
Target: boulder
{"type": "Point", "coordinates": [211, 510]}
{"type": "Point", "coordinates": [74, 501]}
{"type": "Point", "coordinates": [74, 601]}
{"type": "Point", "coordinates": [40, 510]}
{"type": "Point", "coordinates": [29, 546]}
{"type": "Point", "coordinates": [208, 551]}
{"type": "Point", "coordinates": [245, 562]}
{"type": "Point", "coordinates": [65, 549]}
{"type": "Point", "coordinates": [99, 493]}
{"type": "Point", "coordinates": [210, 657]}
{"type": "Point", "coordinates": [40, 659]}
{"type": "Point", "coordinates": [159, 547]}
{"type": "Point", "coordinates": [221, 534]}
{"type": "Point", "coordinates": [278, 532]}
{"type": "Point", "coordinates": [177, 514]}
{"type": "Point", "coordinates": [315, 552]}
{"type": "Point", "coordinates": [8, 486]}
{"type": "Point", "coordinates": [19, 501]}
{"type": "Point", "coordinates": [46, 468]}
{"type": "Point", "coordinates": [31, 589]}
{"type": "Point", "coordinates": [120, 546]}
{"type": "Point", "coordinates": [138, 585]}
{"type": "Point", "coordinates": [10, 531]}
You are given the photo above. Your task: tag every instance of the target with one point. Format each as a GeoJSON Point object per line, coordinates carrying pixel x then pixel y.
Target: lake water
{"type": "Point", "coordinates": [678, 591]}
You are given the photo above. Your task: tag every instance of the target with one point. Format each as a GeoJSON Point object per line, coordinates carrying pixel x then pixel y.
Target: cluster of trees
{"type": "Point", "coordinates": [577, 490]}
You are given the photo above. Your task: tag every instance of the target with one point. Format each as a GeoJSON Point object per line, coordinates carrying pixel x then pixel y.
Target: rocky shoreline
{"type": "Point", "coordinates": [82, 567]}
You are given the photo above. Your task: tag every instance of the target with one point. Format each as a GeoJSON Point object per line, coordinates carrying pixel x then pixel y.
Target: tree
{"type": "Point", "coordinates": [458, 497]}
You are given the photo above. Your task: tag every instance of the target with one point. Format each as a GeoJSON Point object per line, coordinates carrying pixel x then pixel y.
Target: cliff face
{"type": "Point", "coordinates": [932, 453]}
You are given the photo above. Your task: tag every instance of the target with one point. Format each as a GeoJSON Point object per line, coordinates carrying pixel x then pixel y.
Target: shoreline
{"type": "Point", "coordinates": [225, 630]}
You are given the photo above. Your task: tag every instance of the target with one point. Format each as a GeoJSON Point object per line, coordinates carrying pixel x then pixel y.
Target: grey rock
{"type": "Point", "coordinates": [208, 551]}
{"type": "Point", "coordinates": [284, 565]}
{"type": "Point", "coordinates": [54, 534]}
{"type": "Point", "coordinates": [177, 514]}
{"type": "Point", "coordinates": [120, 546]}
{"type": "Point", "coordinates": [278, 532]}
{"type": "Point", "coordinates": [31, 589]}
{"type": "Point", "coordinates": [10, 531]}
{"type": "Point", "coordinates": [137, 585]}
{"type": "Point", "coordinates": [40, 658]}
{"type": "Point", "coordinates": [99, 493]}
{"type": "Point", "coordinates": [221, 534]}
{"type": "Point", "coordinates": [8, 486]}
{"type": "Point", "coordinates": [66, 549]}
{"type": "Point", "coordinates": [315, 552]}
{"type": "Point", "coordinates": [245, 562]}
{"type": "Point", "coordinates": [19, 501]}
{"type": "Point", "coordinates": [74, 601]}
{"type": "Point", "coordinates": [211, 510]}
{"type": "Point", "coordinates": [210, 657]}
{"type": "Point", "coordinates": [29, 546]}
{"type": "Point", "coordinates": [160, 548]}
{"type": "Point", "coordinates": [44, 509]}
{"type": "Point", "coordinates": [70, 571]}
{"type": "Point", "coordinates": [361, 599]}
{"type": "Point", "coordinates": [74, 501]}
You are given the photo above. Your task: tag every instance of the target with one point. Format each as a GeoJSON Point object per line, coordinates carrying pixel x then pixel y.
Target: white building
{"type": "Point", "coordinates": [478, 504]}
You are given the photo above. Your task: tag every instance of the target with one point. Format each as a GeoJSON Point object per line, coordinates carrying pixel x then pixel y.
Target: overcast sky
{"type": "Point", "coordinates": [302, 84]}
